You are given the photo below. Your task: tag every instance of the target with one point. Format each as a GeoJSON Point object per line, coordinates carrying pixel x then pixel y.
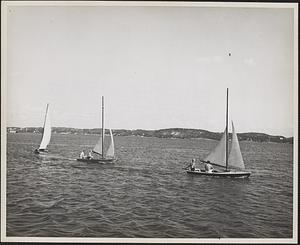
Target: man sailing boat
{"type": "Point", "coordinates": [221, 156]}
{"type": "Point", "coordinates": [101, 153]}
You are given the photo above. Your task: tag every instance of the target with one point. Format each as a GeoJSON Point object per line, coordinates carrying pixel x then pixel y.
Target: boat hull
{"type": "Point", "coordinates": [41, 152]}
{"type": "Point", "coordinates": [103, 161]}
{"type": "Point", "coordinates": [237, 174]}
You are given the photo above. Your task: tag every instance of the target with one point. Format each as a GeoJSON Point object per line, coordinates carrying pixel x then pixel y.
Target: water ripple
{"type": "Point", "coordinates": [145, 193]}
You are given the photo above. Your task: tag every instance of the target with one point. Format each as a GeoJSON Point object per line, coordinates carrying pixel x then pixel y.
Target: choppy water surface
{"type": "Point", "coordinates": [146, 193]}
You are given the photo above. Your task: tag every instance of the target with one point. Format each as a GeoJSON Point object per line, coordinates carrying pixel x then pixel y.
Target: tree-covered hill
{"type": "Point", "coordinates": [181, 133]}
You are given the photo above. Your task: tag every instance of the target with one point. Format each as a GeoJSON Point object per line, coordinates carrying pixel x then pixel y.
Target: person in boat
{"type": "Point", "coordinates": [90, 156]}
{"type": "Point", "coordinates": [36, 151]}
{"type": "Point", "coordinates": [193, 164]}
{"type": "Point", "coordinates": [208, 167]}
{"type": "Point", "coordinates": [82, 155]}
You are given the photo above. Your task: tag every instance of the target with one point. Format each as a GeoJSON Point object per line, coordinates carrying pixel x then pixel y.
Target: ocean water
{"type": "Point", "coordinates": [146, 193]}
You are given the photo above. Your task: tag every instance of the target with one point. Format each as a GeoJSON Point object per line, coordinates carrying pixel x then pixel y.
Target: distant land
{"type": "Point", "coordinates": [181, 133]}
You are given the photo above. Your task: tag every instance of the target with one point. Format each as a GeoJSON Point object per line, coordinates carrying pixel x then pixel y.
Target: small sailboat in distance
{"type": "Point", "coordinates": [104, 154]}
{"type": "Point", "coordinates": [232, 162]}
{"type": "Point", "coordinates": [46, 134]}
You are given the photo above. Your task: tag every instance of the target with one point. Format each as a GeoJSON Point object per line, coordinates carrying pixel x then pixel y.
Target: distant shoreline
{"type": "Point", "coordinates": [177, 133]}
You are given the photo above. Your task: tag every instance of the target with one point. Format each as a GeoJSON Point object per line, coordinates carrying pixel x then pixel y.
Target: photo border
{"type": "Point", "coordinates": [4, 7]}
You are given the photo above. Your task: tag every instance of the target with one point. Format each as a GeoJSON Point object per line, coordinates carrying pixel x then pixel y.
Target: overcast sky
{"type": "Point", "coordinates": [158, 67]}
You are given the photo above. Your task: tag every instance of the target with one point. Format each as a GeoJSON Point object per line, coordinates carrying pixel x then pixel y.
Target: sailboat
{"type": "Point", "coordinates": [103, 155]}
{"type": "Point", "coordinates": [221, 157]}
{"type": "Point", "coordinates": [46, 134]}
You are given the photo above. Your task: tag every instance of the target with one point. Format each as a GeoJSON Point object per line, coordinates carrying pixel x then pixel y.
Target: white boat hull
{"type": "Point", "coordinates": [230, 174]}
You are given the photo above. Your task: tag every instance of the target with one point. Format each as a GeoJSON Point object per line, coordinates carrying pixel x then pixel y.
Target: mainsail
{"type": "Point", "coordinates": [46, 132]}
{"type": "Point", "coordinates": [111, 149]}
{"type": "Point", "coordinates": [235, 158]}
{"type": "Point", "coordinates": [98, 147]}
{"type": "Point", "coordinates": [218, 155]}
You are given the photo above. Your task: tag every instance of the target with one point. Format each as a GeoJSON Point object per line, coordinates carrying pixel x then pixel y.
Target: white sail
{"type": "Point", "coordinates": [111, 149]}
{"type": "Point", "coordinates": [47, 131]}
{"type": "Point", "coordinates": [235, 158]}
{"type": "Point", "coordinates": [98, 147]}
{"type": "Point", "coordinates": [218, 155]}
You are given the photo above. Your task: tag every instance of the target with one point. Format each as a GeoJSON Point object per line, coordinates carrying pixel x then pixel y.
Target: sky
{"type": "Point", "coordinates": [157, 67]}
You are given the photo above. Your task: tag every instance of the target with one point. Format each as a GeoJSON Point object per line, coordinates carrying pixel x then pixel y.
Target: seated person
{"type": "Point", "coordinates": [193, 163]}
{"type": "Point", "coordinates": [90, 156]}
{"type": "Point", "coordinates": [208, 167]}
{"type": "Point", "coordinates": [82, 156]}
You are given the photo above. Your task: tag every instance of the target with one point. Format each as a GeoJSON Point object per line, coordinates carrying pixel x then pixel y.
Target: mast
{"type": "Point", "coordinates": [226, 145]}
{"type": "Point", "coordinates": [103, 130]}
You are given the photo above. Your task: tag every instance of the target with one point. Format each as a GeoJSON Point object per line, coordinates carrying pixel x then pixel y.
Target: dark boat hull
{"type": "Point", "coordinates": [104, 160]}
{"type": "Point", "coordinates": [238, 174]}
{"type": "Point", "coordinates": [37, 151]}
